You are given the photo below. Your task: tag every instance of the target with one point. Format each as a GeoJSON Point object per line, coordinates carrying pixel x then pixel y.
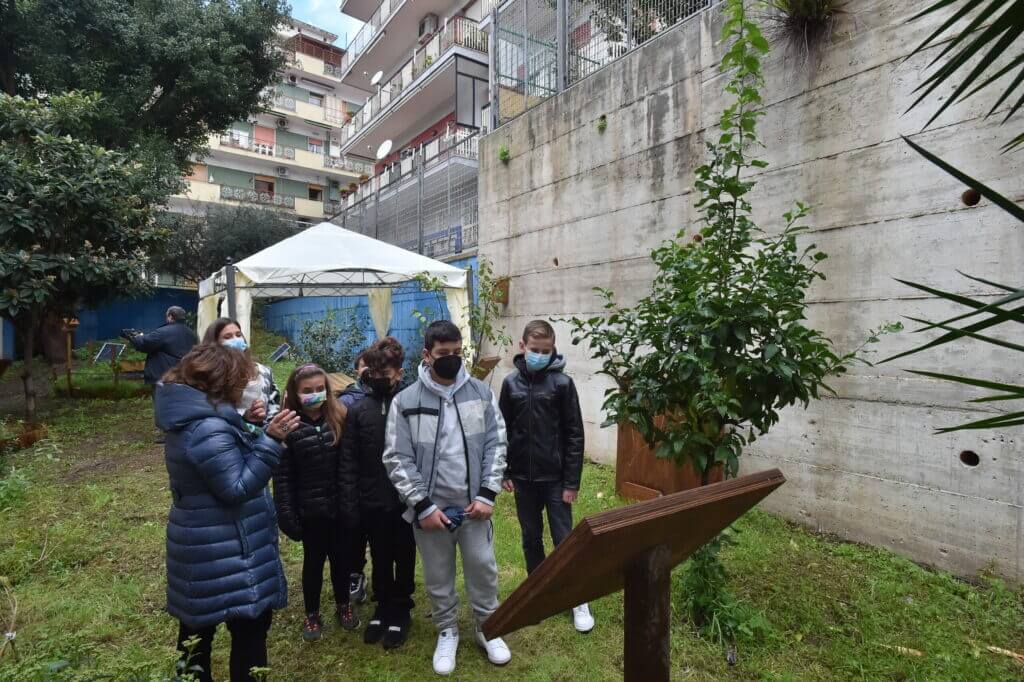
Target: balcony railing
{"type": "Point", "coordinates": [368, 32]}
{"type": "Point", "coordinates": [342, 163]}
{"type": "Point", "coordinates": [252, 196]}
{"type": "Point", "coordinates": [458, 31]}
{"type": "Point", "coordinates": [261, 148]}
{"type": "Point", "coordinates": [284, 102]}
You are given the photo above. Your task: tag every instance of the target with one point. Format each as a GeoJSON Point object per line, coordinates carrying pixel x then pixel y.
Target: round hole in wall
{"type": "Point", "coordinates": [970, 197]}
{"type": "Point", "coordinates": [970, 458]}
{"type": "Point", "coordinates": [555, 261]}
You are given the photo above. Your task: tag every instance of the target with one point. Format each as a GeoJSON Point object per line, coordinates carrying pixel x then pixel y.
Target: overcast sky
{"type": "Point", "coordinates": [324, 14]}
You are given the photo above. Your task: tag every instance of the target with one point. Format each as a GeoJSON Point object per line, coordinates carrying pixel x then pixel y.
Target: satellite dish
{"type": "Point", "coordinates": [376, 78]}
{"type": "Point", "coordinates": [383, 150]}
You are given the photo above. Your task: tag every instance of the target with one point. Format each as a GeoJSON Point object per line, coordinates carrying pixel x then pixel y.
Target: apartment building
{"type": "Point", "coordinates": [289, 156]}
{"type": "Point", "coordinates": [423, 64]}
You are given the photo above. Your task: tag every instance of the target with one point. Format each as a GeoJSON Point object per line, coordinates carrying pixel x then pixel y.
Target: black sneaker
{"type": "Point", "coordinates": [375, 629]}
{"type": "Point", "coordinates": [311, 627]}
{"type": "Point", "coordinates": [347, 617]}
{"type": "Point", "coordinates": [398, 632]}
{"type": "Point", "coordinates": [357, 588]}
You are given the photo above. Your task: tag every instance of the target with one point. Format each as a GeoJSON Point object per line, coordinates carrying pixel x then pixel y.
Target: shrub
{"type": "Point", "coordinates": [332, 342]}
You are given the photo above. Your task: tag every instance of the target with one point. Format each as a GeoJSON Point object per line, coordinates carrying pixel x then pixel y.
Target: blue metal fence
{"type": "Point", "coordinates": [287, 317]}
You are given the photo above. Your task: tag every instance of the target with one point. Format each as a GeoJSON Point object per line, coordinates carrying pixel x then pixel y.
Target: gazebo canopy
{"type": "Point", "coordinates": [327, 260]}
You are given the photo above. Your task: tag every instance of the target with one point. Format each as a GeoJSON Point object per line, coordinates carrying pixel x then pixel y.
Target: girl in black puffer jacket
{"type": "Point", "coordinates": [392, 546]}
{"type": "Point", "coordinates": [316, 494]}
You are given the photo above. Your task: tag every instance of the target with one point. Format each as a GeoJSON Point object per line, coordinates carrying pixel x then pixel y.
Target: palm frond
{"type": "Point", "coordinates": [995, 27]}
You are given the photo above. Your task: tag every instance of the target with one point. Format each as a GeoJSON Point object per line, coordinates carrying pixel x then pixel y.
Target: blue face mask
{"type": "Point", "coordinates": [537, 361]}
{"type": "Point", "coordinates": [237, 342]}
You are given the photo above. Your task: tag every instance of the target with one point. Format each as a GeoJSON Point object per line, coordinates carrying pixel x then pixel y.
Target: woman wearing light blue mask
{"type": "Point", "coordinates": [261, 400]}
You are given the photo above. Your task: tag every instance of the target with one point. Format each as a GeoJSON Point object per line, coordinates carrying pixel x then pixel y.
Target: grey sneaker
{"type": "Point", "coordinates": [357, 588]}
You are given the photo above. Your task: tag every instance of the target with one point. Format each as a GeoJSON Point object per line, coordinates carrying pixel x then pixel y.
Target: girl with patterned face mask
{"type": "Point", "coordinates": [315, 493]}
{"type": "Point", "coordinates": [260, 399]}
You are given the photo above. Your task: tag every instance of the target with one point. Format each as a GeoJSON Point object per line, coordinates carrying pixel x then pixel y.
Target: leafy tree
{"type": "Point", "coordinates": [76, 219]}
{"type": "Point", "coordinates": [200, 243]}
{"type": "Point", "coordinates": [170, 71]}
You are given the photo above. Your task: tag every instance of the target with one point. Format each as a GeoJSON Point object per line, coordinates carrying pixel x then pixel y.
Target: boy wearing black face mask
{"type": "Point", "coordinates": [445, 454]}
{"type": "Point", "coordinates": [392, 547]}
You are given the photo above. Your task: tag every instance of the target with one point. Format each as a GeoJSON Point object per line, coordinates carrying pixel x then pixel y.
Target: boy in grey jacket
{"type": "Point", "coordinates": [445, 453]}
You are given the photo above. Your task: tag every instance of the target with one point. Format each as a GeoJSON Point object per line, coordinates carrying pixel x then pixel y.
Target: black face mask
{"type": "Point", "coordinates": [379, 386]}
{"type": "Point", "coordinates": [447, 366]}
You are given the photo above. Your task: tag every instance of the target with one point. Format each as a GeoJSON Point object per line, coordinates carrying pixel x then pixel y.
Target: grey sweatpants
{"type": "Point", "coordinates": [475, 541]}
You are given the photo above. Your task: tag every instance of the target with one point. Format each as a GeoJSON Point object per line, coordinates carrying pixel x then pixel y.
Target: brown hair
{"type": "Point", "coordinates": [218, 371]}
{"type": "Point", "coordinates": [385, 353]}
{"type": "Point", "coordinates": [334, 410]}
{"type": "Point", "coordinates": [212, 334]}
{"type": "Point", "coordinates": [538, 329]}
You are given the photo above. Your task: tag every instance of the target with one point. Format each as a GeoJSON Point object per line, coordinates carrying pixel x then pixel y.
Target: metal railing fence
{"type": "Point", "coordinates": [540, 47]}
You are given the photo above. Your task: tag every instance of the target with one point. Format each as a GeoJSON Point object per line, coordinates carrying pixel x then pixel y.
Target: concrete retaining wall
{"type": "Point", "coordinates": [575, 209]}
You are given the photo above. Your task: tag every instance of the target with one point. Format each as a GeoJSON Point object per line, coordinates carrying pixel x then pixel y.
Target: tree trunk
{"type": "Point", "coordinates": [28, 348]}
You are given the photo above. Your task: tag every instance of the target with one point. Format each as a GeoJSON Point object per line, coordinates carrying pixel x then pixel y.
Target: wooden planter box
{"type": "Point", "coordinates": [485, 366]}
{"type": "Point", "coordinates": [640, 475]}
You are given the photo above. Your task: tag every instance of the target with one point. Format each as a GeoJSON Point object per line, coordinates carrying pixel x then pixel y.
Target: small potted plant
{"type": "Point", "coordinates": [352, 187]}
{"type": "Point", "coordinates": [364, 178]}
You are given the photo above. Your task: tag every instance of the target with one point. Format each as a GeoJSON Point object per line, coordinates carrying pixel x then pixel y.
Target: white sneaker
{"type": "Point", "coordinates": [581, 618]}
{"type": "Point", "coordinates": [444, 654]}
{"type": "Point", "coordinates": [497, 651]}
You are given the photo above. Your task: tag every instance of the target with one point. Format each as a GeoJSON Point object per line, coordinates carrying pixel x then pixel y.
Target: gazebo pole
{"type": "Point", "coordinates": [229, 277]}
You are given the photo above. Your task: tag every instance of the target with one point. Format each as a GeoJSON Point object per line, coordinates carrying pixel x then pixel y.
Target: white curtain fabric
{"type": "Point", "coordinates": [380, 310]}
{"type": "Point", "coordinates": [206, 314]}
{"type": "Point", "coordinates": [243, 304]}
{"type": "Point", "coordinates": [458, 310]}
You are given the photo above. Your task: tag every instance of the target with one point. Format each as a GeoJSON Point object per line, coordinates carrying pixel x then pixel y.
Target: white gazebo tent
{"type": "Point", "coordinates": [327, 260]}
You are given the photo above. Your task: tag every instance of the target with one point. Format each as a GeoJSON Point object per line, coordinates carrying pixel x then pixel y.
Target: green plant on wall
{"type": "Point", "coordinates": [805, 26]}
{"type": "Point", "coordinates": [504, 155]}
{"type": "Point", "coordinates": [706, 360]}
{"type": "Point", "coordinates": [602, 123]}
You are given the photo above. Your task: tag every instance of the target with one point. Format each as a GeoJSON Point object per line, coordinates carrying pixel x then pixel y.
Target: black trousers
{"type": "Point", "coordinates": [359, 542]}
{"type": "Point", "coordinates": [323, 540]}
{"type": "Point", "coordinates": [531, 501]}
{"type": "Point", "coordinates": [393, 552]}
{"type": "Point", "coordinates": [248, 647]}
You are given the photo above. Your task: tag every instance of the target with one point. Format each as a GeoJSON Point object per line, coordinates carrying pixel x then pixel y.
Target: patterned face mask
{"type": "Point", "coordinates": [313, 399]}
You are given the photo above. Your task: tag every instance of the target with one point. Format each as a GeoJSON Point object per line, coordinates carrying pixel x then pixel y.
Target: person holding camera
{"type": "Point", "coordinates": [165, 346]}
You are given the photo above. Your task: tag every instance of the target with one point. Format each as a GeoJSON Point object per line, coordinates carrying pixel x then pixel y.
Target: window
{"type": "Point", "coordinates": [264, 186]}
{"type": "Point", "coordinates": [314, 145]}
{"type": "Point", "coordinates": [316, 100]}
{"type": "Point", "coordinates": [316, 193]}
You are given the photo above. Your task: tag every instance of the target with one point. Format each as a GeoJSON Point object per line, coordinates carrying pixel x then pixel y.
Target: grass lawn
{"type": "Point", "coordinates": [81, 549]}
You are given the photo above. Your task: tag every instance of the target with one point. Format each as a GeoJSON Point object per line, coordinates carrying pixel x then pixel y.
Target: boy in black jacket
{"type": "Point", "coordinates": [545, 446]}
{"type": "Point", "coordinates": [392, 546]}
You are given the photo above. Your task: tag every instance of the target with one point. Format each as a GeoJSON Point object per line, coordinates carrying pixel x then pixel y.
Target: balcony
{"type": "Point", "coordinates": [209, 193]}
{"type": "Point", "coordinates": [427, 202]}
{"type": "Point", "coordinates": [289, 156]}
{"type": "Point", "coordinates": [420, 87]}
{"type": "Point", "coordinates": [313, 59]}
{"type": "Point", "coordinates": [341, 163]}
{"type": "Point", "coordinates": [383, 40]}
{"type": "Point", "coordinates": [286, 105]}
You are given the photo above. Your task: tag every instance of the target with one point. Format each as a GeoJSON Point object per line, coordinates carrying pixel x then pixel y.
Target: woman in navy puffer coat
{"type": "Point", "coordinates": [223, 563]}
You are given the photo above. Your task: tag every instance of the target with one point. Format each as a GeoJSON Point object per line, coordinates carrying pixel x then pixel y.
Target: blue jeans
{"type": "Point", "coordinates": [531, 501]}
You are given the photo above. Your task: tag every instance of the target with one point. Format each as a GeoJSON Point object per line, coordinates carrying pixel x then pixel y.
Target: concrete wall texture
{"type": "Point", "coordinates": [574, 209]}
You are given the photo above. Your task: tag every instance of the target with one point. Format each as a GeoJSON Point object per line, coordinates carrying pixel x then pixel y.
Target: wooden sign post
{"type": "Point", "coordinates": [634, 549]}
